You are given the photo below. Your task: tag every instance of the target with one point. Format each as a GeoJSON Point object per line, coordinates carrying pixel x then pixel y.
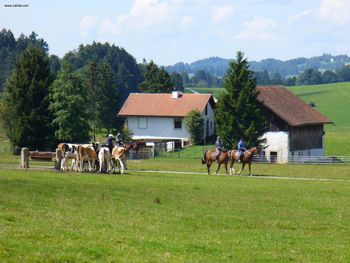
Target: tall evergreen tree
{"type": "Point", "coordinates": [69, 105]}
{"type": "Point", "coordinates": [238, 113]}
{"type": "Point", "coordinates": [27, 120]}
{"type": "Point", "coordinates": [109, 98]}
{"type": "Point", "coordinates": [156, 80]}
{"type": "Point", "coordinates": [177, 80]}
{"type": "Point", "coordinates": [91, 81]}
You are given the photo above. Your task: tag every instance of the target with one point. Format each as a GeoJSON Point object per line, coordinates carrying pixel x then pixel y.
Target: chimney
{"type": "Point", "coordinates": [176, 94]}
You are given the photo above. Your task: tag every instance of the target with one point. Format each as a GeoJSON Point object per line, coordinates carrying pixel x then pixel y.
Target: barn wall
{"type": "Point", "coordinates": [274, 123]}
{"type": "Point", "coordinates": [306, 138]}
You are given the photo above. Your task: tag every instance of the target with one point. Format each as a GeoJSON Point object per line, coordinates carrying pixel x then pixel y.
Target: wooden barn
{"type": "Point", "coordinates": [295, 128]}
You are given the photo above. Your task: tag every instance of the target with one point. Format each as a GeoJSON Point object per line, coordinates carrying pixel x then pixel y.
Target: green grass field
{"type": "Point", "coordinates": [333, 100]}
{"type": "Point", "coordinates": [159, 217]}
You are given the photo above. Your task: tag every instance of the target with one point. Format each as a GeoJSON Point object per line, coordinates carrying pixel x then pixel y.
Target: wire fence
{"type": "Point", "coordinates": [260, 159]}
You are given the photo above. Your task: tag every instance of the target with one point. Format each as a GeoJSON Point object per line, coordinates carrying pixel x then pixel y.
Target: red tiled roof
{"type": "Point", "coordinates": [163, 105]}
{"type": "Point", "coordinates": [289, 107]}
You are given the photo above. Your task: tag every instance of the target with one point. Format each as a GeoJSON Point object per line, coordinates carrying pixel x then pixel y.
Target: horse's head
{"type": "Point", "coordinates": [129, 146]}
{"type": "Point", "coordinates": [261, 148]}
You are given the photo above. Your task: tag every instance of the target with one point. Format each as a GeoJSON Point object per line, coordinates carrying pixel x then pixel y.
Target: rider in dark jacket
{"type": "Point", "coordinates": [118, 139]}
{"type": "Point", "coordinates": [110, 143]}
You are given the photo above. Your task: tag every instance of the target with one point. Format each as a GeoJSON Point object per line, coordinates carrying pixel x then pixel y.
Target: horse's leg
{"type": "Point", "coordinates": [250, 169]}
{"type": "Point", "coordinates": [226, 168]}
{"type": "Point", "coordinates": [121, 166]}
{"type": "Point", "coordinates": [208, 167]}
{"type": "Point", "coordinates": [219, 164]}
{"type": "Point", "coordinates": [232, 168]}
{"type": "Point", "coordinates": [239, 173]}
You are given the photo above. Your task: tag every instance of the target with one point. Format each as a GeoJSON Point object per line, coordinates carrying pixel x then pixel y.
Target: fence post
{"type": "Point", "coordinates": [24, 158]}
{"type": "Point", "coordinates": [58, 161]}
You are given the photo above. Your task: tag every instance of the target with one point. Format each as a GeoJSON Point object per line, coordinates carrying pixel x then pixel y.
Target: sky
{"type": "Point", "coordinates": [170, 31]}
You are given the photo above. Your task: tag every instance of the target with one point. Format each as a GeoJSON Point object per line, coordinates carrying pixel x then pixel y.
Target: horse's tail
{"type": "Point", "coordinates": [203, 157]}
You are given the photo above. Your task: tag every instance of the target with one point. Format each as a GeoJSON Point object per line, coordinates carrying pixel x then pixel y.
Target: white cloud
{"type": "Point", "coordinates": [335, 11]}
{"type": "Point", "coordinates": [87, 24]}
{"type": "Point", "coordinates": [299, 15]}
{"type": "Point", "coordinates": [187, 21]}
{"type": "Point", "coordinates": [220, 13]}
{"type": "Point", "coordinates": [258, 29]}
{"type": "Point", "coordinates": [145, 15]}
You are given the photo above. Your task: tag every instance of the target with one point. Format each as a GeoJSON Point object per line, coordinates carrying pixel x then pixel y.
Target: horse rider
{"type": "Point", "coordinates": [109, 143]}
{"type": "Point", "coordinates": [219, 148]}
{"type": "Point", "coordinates": [241, 149]}
{"type": "Point", "coordinates": [118, 139]}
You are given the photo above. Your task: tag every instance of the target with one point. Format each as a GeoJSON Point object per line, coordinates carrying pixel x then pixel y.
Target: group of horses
{"type": "Point", "coordinates": [232, 156]}
{"type": "Point", "coordinates": [93, 157]}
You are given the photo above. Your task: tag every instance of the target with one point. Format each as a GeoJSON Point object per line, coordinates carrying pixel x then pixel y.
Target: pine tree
{"type": "Point", "coordinates": [26, 117]}
{"type": "Point", "coordinates": [69, 105]}
{"type": "Point", "coordinates": [156, 80]}
{"type": "Point", "coordinates": [238, 113]}
{"type": "Point", "coordinates": [109, 106]}
{"type": "Point", "coordinates": [91, 81]}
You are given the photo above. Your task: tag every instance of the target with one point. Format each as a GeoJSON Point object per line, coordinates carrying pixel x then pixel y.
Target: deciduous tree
{"type": "Point", "coordinates": [194, 124]}
{"type": "Point", "coordinates": [69, 105]}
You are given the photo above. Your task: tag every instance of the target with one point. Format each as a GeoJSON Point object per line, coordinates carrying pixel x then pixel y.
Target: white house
{"type": "Point", "coordinates": [159, 117]}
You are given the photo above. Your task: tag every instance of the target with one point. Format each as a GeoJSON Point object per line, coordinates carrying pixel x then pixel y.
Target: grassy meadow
{"type": "Point", "coordinates": [159, 217]}
{"type": "Point", "coordinates": [333, 100]}
{"type": "Point", "coordinates": [149, 215]}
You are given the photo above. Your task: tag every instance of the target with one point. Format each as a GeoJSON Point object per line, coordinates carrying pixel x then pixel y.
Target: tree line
{"type": "Point", "coordinates": [308, 77]}
{"type": "Point", "coordinates": [45, 99]}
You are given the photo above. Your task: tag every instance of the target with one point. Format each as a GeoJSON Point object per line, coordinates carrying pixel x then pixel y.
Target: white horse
{"type": "Point", "coordinates": [104, 157]}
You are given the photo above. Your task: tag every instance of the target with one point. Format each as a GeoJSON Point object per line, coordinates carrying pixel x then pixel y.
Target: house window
{"type": "Point", "coordinates": [143, 123]}
{"type": "Point", "coordinates": [177, 123]}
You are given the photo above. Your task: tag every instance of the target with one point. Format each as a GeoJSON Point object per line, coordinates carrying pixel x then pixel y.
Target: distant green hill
{"type": "Point", "coordinates": [332, 100]}
{"type": "Point", "coordinates": [218, 66]}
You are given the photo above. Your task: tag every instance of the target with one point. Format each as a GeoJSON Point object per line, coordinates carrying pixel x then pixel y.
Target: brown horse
{"type": "Point", "coordinates": [247, 159]}
{"type": "Point", "coordinates": [209, 157]}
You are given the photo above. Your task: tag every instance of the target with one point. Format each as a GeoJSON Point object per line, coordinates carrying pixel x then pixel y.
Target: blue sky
{"type": "Point", "coordinates": [169, 31]}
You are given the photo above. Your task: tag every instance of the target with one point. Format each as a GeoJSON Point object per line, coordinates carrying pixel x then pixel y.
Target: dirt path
{"type": "Point", "coordinates": [46, 168]}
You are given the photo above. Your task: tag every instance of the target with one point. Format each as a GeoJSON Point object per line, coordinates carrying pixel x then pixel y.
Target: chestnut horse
{"type": "Point", "coordinates": [247, 159]}
{"type": "Point", "coordinates": [209, 158]}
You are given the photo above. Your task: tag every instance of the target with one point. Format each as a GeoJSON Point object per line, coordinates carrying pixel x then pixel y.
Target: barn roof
{"type": "Point", "coordinates": [289, 107]}
{"type": "Point", "coordinates": [163, 105]}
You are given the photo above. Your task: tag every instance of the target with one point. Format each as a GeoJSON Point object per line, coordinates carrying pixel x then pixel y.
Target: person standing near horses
{"type": "Point", "coordinates": [118, 139]}
{"type": "Point", "coordinates": [109, 143]}
{"type": "Point", "coordinates": [219, 148]}
{"type": "Point", "coordinates": [241, 149]}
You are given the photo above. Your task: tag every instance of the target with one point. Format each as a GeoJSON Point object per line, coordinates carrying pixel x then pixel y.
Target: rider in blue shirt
{"type": "Point", "coordinates": [241, 149]}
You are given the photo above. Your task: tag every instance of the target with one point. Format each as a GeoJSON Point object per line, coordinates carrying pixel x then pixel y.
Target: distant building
{"type": "Point", "coordinates": [295, 128]}
{"type": "Point", "coordinates": [159, 117]}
